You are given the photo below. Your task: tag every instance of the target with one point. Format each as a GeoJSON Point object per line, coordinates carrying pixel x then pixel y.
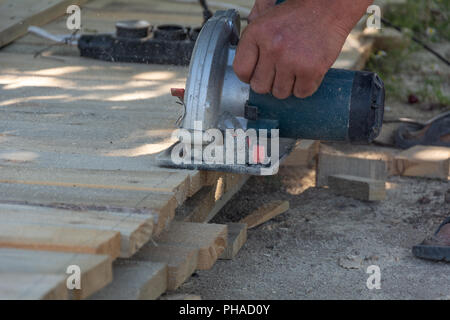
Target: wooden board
{"type": "Point", "coordinates": [357, 187]}
{"type": "Point", "coordinates": [159, 182]}
{"type": "Point", "coordinates": [17, 15]}
{"type": "Point", "coordinates": [135, 229]}
{"type": "Point", "coordinates": [181, 261]}
{"type": "Point", "coordinates": [32, 286]}
{"type": "Point", "coordinates": [135, 280]}
{"type": "Point", "coordinates": [424, 161]}
{"type": "Point", "coordinates": [21, 235]}
{"type": "Point", "coordinates": [237, 236]}
{"type": "Point", "coordinates": [163, 205]}
{"type": "Point", "coordinates": [209, 239]}
{"type": "Point", "coordinates": [265, 213]}
{"type": "Point", "coordinates": [331, 164]}
{"type": "Point", "coordinates": [96, 270]}
{"type": "Point", "coordinates": [303, 154]}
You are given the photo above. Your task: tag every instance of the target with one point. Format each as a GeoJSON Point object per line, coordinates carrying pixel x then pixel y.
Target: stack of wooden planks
{"type": "Point", "coordinates": [78, 180]}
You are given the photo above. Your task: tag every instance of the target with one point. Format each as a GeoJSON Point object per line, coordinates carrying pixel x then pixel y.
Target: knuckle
{"type": "Point", "coordinates": [278, 46]}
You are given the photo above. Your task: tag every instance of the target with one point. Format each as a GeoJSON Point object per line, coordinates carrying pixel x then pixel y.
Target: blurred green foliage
{"type": "Point", "coordinates": [423, 16]}
{"type": "Point", "coordinates": [429, 21]}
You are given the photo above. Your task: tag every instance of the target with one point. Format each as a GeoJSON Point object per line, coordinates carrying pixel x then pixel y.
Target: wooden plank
{"type": "Point", "coordinates": [181, 261]}
{"type": "Point", "coordinates": [209, 239]}
{"type": "Point", "coordinates": [159, 181]}
{"type": "Point", "coordinates": [265, 213]}
{"type": "Point", "coordinates": [96, 270]}
{"type": "Point", "coordinates": [34, 286]}
{"type": "Point", "coordinates": [20, 235]}
{"type": "Point", "coordinates": [331, 164]}
{"type": "Point", "coordinates": [17, 15]}
{"type": "Point", "coordinates": [237, 236]}
{"type": "Point", "coordinates": [357, 187]}
{"type": "Point", "coordinates": [160, 205]}
{"type": "Point", "coordinates": [303, 153]}
{"type": "Point", "coordinates": [424, 161]}
{"type": "Point", "coordinates": [135, 280]}
{"type": "Point", "coordinates": [135, 229]}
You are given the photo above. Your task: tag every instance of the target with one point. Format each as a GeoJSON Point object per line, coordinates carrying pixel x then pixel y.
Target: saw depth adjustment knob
{"type": "Point", "coordinates": [170, 32]}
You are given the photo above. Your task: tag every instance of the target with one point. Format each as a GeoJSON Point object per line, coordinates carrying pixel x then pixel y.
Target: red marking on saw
{"type": "Point", "coordinates": [177, 92]}
{"type": "Point", "coordinates": [258, 152]}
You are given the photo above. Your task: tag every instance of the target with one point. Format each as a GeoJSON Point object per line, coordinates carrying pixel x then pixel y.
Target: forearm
{"type": "Point", "coordinates": [348, 12]}
{"type": "Point", "coordinates": [341, 13]}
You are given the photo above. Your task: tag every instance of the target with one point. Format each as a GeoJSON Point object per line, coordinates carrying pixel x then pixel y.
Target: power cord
{"type": "Point", "coordinates": [417, 40]}
{"type": "Point", "coordinates": [206, 12]}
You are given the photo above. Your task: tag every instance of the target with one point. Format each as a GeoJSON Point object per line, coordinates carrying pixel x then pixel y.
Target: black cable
{"type": "Point", "coordinates": [206, 12]}
{"type": "Point", "coordinates": [417, 40]}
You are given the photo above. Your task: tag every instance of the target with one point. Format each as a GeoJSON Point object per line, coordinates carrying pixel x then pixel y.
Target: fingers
{"type": "Point", "coordinates": [306, 86]}
{"type": "Point", "coordinates": [263, 76]}
{"type": "Point", "coordinates": [283, 83]}
{"type": "Point", "coordinates": [246, 58]}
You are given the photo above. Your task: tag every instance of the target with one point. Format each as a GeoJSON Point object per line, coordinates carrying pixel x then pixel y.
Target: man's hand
{"type": "Point", "coordinates": [287, 49]}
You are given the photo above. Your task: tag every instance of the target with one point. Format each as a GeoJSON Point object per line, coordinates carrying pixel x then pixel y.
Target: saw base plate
{"type": "Point", "coordinates": [164, 159]}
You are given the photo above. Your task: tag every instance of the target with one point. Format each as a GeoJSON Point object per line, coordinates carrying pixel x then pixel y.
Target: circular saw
{"type": "Point", "coordinates": [348, 106]}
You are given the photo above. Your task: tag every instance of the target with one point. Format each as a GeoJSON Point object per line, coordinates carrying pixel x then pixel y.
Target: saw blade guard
{"type": "Point", "coordinates": [212, 88]}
